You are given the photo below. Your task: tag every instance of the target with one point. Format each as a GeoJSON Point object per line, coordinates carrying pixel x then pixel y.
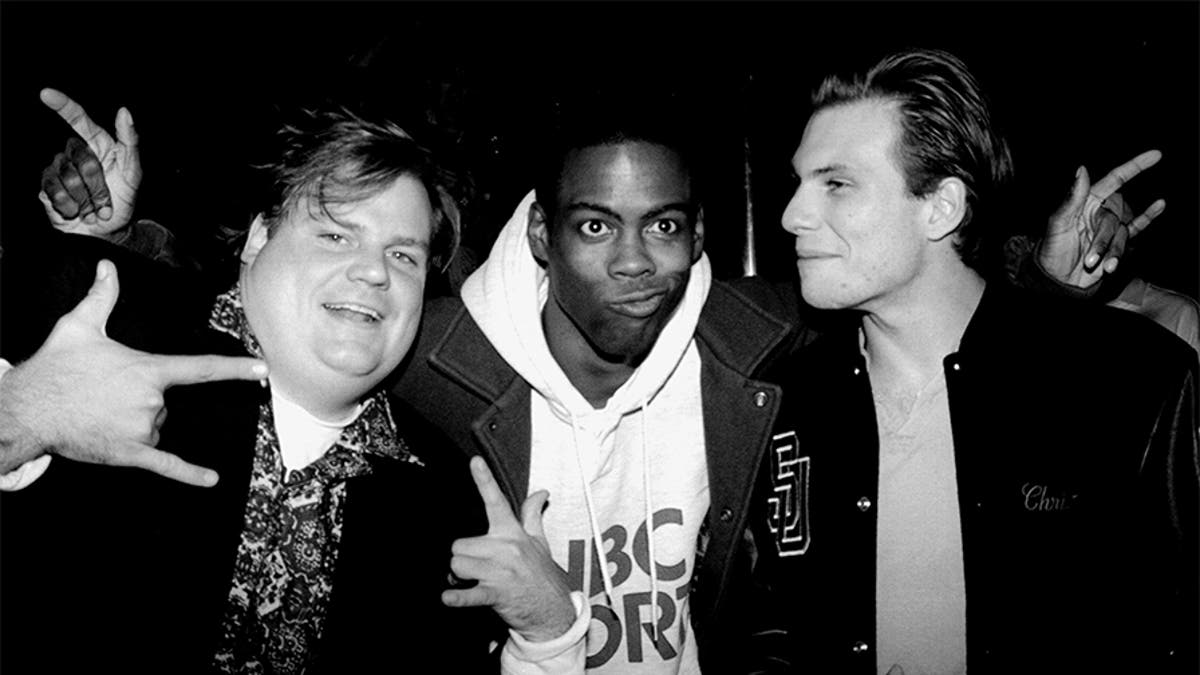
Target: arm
{"type": "Point", "coordinates": [91, 399]}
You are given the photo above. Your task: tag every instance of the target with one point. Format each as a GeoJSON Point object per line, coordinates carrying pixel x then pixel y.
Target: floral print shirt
{"type": "Point", "coordinates": [284, 570]}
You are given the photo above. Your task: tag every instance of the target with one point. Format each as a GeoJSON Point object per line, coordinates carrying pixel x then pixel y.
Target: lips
{"type": "Point", "coordinates": [353, 311]}
{"type": "Point", "coordinates": [639, 305]}
{"type": "Point", "coordinates": [812, 254]}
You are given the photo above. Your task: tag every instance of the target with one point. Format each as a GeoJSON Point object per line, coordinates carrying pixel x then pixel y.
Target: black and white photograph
{"type": "Point", "coordinates": [555, 337]}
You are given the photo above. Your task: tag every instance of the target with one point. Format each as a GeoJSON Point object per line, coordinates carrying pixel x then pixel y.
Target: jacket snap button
{"type": "Point", "coordinates": [760, 399]}
{"type": "Point", "coordinates": [726, 515]}
{"type": "Point", "coordinates": [860, 647]}
{"type": "Point", "coordinates": [864, 503]}
{"type": "Point", "coordinates": [492, 425]}
{"type": "Point", "coordinates": [956, 367]}
{"type": "Point", "coordinates": [857, 371]}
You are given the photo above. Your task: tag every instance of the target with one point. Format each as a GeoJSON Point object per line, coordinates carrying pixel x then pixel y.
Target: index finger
{"type": "Point", "coordinates": [174, 370]}
{"type": "Point", "coordinates": [499, 513]}
{"type": "Point", "coordinates": [1124, 173]}
{"type": "Point", "coordinates": [74, 114]}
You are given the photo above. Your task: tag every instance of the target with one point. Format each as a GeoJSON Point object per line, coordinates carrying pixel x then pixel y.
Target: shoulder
{"type": "Point", "coordinates": [1069, 335]}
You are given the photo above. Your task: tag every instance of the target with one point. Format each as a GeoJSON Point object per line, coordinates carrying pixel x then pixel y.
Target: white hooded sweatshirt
{"type": "Point", "coordinates": [607, 470]}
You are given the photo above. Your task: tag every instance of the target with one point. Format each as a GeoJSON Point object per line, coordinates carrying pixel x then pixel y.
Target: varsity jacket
{"type": "Point", "coordinates": [457, 381]}
{"type": "Point", "coordinates": [1074, 432]}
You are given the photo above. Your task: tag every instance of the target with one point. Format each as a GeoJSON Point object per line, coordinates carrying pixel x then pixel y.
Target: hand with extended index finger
{"type": "Point", "coordinates": [91, 187]}
{"type": "Point", "coordinates": [91, 399]}
{"type": "Point", "coordinates": [1084, 239]}
{"type": "Point", "coordinates": [517, 576]}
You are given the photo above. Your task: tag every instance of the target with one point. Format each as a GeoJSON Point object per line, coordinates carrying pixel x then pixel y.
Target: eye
{"type": "Point", "coordinates": [835, 184]}
{"type": "Point", "coordinates": [593, 228]}
{"type": "Point", "coordinates": [407, 258]}
{"type": "Point", "coordinates": [665, 226]}
{"type": "Point", "coordinates": [332, 237]}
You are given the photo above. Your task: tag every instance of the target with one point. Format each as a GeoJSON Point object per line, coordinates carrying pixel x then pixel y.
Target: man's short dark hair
{"type": "Point", "coordinates": [331, 155]}
{"type": "Point", "coordinates": [600, 118]}
{"type": "Point", "coordinates": [946, 131]}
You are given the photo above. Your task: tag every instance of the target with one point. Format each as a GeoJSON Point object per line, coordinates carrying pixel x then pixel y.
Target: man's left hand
{"type": "Point", "coordinates": [1086, 237]}
{"type": "Point", "coordinates": [517, 576]}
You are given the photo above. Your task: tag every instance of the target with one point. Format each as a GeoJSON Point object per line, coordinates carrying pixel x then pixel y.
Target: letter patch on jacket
{"type": "Point", "coordinates": [787, 515]}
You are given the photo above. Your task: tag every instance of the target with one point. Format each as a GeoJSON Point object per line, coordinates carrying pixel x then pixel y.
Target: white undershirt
{"type": "Point", "coordinates": [920, 593]}
{"type": "Point", "coordinates": [303, 439]}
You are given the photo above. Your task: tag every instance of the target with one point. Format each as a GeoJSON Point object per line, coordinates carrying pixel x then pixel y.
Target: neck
{"type": "Point", "coordinates": [323, 407]}
{"type": "Point", "coordinates": [594, 376]}
{"type": "Point", "coordinates": [909, 335]}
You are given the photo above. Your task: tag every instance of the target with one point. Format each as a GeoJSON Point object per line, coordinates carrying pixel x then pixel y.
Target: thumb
{"type": "Point", "coordinates": [126, 133]}
{"type": "Point", "coordinates": [531, 513]}
{"type": "Point", "coordinates": [94, 309]}
{"type": "Point", "coordinates": [1075, 201]}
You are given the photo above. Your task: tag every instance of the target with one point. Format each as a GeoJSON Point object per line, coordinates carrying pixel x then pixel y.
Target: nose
{"type": "Point", "coordinates": [370, 267]}
{"type": "Point", "coordinates": [799, 214]}
{"type": "Point", "coordinates": [631, 258]}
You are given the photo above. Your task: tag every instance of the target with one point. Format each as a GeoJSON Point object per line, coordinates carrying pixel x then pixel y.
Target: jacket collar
{"type": "Point", "coordinates": [736, 331]}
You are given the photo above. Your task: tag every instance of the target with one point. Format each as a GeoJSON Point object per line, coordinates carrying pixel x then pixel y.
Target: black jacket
{"type": "Point", "coordinates": [458, 381]}
{"type": "Point", "coordinates": [1074, 433]}
{"type": "Point", "coordinates": [120, 570]}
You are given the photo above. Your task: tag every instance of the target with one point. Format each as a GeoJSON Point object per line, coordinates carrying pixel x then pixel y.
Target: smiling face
{"type": "Point", "coordinates": [859, 232]}
{"type": "Point", "coordinates": [335, 302]}
{"type": "Point", "coordinates": [625, 232]}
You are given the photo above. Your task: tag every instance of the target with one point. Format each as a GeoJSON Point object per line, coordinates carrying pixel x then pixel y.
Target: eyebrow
{"type": "Point", "coordinates": [652, 213]}
{"type": "Point", "coordinates": [828, 169]}
{"type": "Point", "coordinates": [399, 241]}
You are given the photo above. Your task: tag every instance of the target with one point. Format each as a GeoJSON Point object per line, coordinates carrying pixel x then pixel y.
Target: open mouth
{"type": "Point", "coordinates": [353, 311]}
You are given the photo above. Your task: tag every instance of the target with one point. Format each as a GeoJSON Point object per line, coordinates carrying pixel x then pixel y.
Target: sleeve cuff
{"type": "Point", "coordinates": [566, 653]}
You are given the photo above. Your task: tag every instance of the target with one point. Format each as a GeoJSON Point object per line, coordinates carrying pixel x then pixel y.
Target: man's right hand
{"type": "Point", "coordinates": [90, 188]}
{"type": "Point", "coordinates": [89, 398]}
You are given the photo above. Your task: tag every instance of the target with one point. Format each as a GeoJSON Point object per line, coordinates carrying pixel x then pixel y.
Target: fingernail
{"type": "Point", "coordinates": [105, 212]}
{"type": "Point", "coordinates": [209, 478]}
{"type": "Point", "coordinates": [259, 369]}
{"type": "Point", "coordinates": [1092, 260]}
{"type": "Point", "coordinates": [262, 383]}
{"type": "Point", "coordinates": [1078, 172]}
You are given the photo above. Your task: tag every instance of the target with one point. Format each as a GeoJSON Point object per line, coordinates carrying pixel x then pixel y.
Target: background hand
{"type": "Point", "coordinates": [517, 576]}
{"type": "Point", "coordinates": [92, 399]}
{"type": "Point", "coordinates": [90, 188]}
{"type": "Point", "coordinates": [1084, 241]}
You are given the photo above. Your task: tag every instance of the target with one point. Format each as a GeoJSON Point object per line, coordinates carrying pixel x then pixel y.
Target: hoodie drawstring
{"type": "Point", "coordinates": [649, 523]}
{"type": "Point", "coordinates": [597, 539]}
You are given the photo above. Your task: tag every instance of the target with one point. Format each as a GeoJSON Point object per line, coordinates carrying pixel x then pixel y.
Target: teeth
{"type": "Point", "coordinates": [351, 307]}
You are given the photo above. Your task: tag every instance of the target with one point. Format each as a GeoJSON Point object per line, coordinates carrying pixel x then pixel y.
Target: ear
{"type": "Point", "coordinates": [947, 205]}
{"type": "Point", "coordinates": [538, 234]}
{"type": "Point", "coordinates": [698, 235]}
{"type": "Point", "coordinates": [255, 240]}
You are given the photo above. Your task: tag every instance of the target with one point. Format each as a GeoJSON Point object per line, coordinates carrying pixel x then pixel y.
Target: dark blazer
{"type": "Point", "coordinates": [120, 570]}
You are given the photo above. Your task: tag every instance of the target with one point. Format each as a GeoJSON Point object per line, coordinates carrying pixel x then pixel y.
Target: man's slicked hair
{"type": "Point", "coordinates": [330, 155]}
{"type": "Point", "coordinates": [946, 131]}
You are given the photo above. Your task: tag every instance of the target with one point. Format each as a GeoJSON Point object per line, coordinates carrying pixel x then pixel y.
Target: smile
{"type": "Point", "coordinates": [639, 305]}
{"type": "Point", "coordinates": [353, 311]}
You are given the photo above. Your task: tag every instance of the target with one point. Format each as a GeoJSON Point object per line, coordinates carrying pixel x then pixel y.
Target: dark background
{"type": "Point", "coordinates": [1090, 83]}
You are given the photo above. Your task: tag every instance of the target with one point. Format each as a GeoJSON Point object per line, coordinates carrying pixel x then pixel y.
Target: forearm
{"type": "Point", "coordinates": [21, 437]}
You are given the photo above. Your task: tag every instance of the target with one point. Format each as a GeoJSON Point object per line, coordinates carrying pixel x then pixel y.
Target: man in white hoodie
{"type": "Point", "coordinates": [593, 357]}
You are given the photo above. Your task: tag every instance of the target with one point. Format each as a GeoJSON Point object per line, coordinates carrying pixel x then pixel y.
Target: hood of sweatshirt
{"type": "Point", "coordinates": [506, 295]}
